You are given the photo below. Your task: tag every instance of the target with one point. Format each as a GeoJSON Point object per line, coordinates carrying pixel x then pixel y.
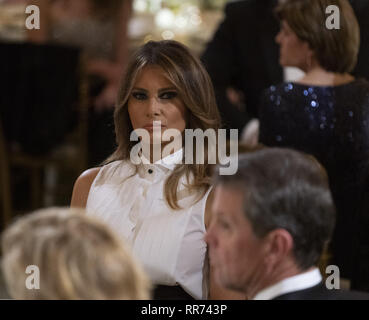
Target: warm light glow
{"type": "Point", "coordinates": [167, 35]}
{"type": "Point", "coordinates": [181, 22]}
{"type": "Point", "coordinates": [140, 5]}
{"type": "Point", "coordinates": [165, 19]}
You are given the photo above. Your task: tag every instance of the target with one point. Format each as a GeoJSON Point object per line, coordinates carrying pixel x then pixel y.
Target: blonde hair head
{"type": "Point", "coordinates": [77, 256]}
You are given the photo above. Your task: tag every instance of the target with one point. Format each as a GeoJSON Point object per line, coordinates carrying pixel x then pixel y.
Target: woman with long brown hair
{"type": "Point", "coordinates": [159, 207]}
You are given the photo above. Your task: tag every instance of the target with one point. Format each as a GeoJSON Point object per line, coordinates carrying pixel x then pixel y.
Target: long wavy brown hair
{"type": "Point", "coordinates": [196, 91]}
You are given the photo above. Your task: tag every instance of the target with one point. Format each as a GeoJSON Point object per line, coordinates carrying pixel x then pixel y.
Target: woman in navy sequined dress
{"type": "Point", "coordinates": [326, 114]}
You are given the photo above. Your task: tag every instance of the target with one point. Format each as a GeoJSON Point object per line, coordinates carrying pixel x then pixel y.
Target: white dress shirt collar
{"type": "Point", "coordinates": [296, 283]}
{"type": "Point", "coordinates": [169, 161]}
{"type": "Point", "coordinates": [292, 74]}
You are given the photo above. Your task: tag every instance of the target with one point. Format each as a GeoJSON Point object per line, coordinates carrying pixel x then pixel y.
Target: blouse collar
{"type": "Point", "coordinates": [168, 162]}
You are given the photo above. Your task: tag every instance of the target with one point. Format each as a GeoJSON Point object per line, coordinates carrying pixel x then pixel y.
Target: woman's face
{"type": "Point", "coordinates": [154, 98]}
{"type": "Point", "coordinates": [293, 51]}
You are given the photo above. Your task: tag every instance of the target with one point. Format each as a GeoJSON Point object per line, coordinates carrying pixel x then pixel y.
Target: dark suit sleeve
{"type": "Point", "coordinates": [219, 60]}
{"type": "Point", "coordinates": [361, 9]}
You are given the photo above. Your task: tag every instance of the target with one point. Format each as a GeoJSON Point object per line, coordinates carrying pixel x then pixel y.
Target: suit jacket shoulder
{"type": "Point", "coordinates": [247, 9]}
{"type": "Point", "coordinates": [320, 292]}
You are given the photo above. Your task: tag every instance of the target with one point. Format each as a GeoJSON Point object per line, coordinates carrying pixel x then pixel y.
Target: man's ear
{"type": "Point", "coordinates": [280, 245]}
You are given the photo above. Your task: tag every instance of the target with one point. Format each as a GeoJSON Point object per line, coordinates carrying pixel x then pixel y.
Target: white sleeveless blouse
{"type": "Point", "coordinates": [169, 243]}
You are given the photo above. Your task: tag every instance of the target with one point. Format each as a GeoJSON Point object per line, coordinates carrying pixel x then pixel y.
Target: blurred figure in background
{"type": "Point", "coordinates": [326, 114]}
{"type": "Point", "coordinates": [100, 29]}
{"type": "Point", "coordinates": [242, 57]}
{"type": "Point", "coordinates": [77, 257]}
{"type": "Point", "coordinates": [361, 9]}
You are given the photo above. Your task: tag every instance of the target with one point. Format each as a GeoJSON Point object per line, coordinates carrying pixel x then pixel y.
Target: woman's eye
{"type": "Point", "coordinates": [139, 95]}
{"type": "Point", "coordinates": [168, 95]}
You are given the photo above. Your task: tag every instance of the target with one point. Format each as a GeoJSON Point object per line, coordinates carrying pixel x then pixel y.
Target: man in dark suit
{"type": "Point", "coordinates": [271, 222]}
{"type": "Point", "coordinates": [243, 58]}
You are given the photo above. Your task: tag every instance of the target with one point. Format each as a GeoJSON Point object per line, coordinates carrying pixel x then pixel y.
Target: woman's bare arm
{"type": "Point", "coordinates": [82, 188]}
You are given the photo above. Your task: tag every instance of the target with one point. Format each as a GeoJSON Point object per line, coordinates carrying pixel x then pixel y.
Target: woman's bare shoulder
{"type": "Point", "coordinates": [82, 187]}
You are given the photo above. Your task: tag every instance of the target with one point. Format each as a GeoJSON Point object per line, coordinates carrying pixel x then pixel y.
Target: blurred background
{"type": "Point", "coordinates": [189, 21]}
